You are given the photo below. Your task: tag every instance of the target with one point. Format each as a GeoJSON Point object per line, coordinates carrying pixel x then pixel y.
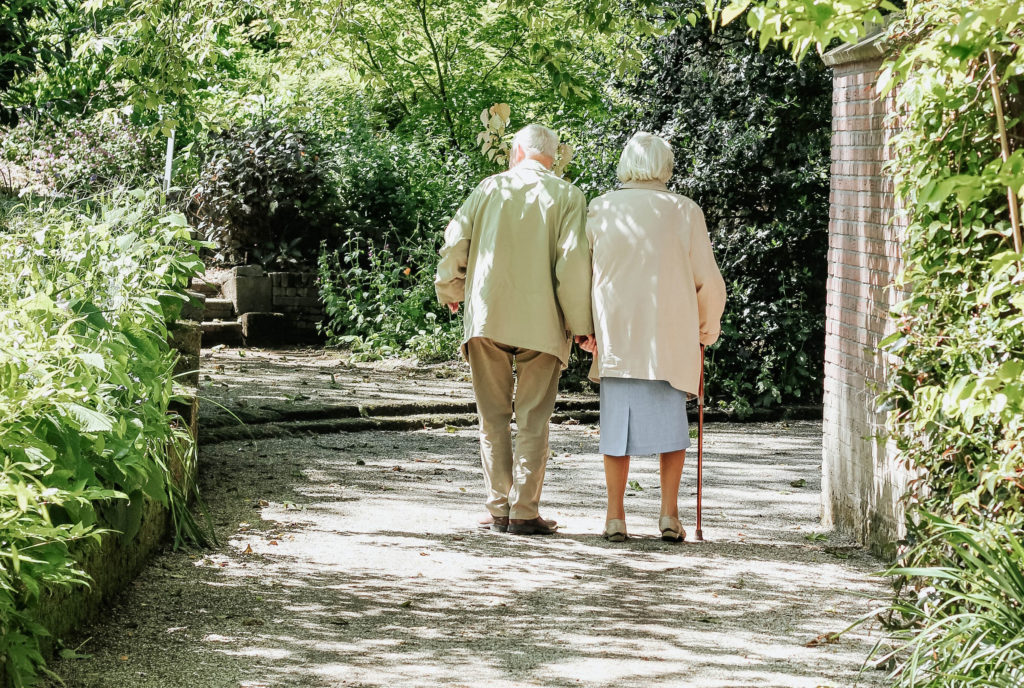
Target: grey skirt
{"type": "Point", "coordinates": [641, 417]}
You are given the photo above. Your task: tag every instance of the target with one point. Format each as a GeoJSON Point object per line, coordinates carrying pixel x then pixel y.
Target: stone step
{"type": "Point", "coordinates": [195, 308]}
{"type": "Point", "coordinates": [205, 287]}
{"type": "Point", "coordinates": [219, 309]}
{"type": "Point", "coordinates": [228, 332]}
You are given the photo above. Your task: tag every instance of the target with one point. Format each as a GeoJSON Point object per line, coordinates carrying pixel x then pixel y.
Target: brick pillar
{"type": "Point", "coordinates": [861, 484]}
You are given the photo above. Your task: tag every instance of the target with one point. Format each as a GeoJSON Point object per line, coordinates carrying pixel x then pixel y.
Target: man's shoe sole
{"type": "Point", "coordinates": [499, 529]}
{"type": "Point", "coordinates": [523, 529]}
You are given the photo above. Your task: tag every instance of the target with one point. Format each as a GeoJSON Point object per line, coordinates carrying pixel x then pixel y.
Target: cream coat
{"type": "Point", "coordinates": [658, 293]}
{"type": "Point", "coordinates": [516, 252]}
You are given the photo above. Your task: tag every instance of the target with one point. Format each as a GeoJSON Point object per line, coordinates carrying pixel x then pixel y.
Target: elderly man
{"type": "Point", "coordinates": [516, 252]}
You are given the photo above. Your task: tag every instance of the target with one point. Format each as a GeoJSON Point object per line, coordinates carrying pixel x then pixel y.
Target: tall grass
{"type": "Point", "coordinates": [964, 625]}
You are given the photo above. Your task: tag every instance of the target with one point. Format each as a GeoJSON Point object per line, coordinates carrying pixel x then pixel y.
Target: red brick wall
{"type": "Point", "coordinates": [861, 486]}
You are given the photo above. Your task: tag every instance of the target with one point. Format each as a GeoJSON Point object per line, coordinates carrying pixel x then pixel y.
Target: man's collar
{"type": "Point", "coordinates": [653, 185]}
{"type": "Point", "coordinates": [531, 164]}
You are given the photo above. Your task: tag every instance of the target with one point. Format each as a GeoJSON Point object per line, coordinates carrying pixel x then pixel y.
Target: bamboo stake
{"type": "Point", "coordinates": [1011, 196]}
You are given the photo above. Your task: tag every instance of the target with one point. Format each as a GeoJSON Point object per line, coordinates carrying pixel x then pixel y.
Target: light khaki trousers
{"type": "Point", "coordinates": [513, 480]}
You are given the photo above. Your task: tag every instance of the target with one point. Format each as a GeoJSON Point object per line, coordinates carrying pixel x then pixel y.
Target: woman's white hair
{"type": "Point", "coordinates": [646, 158]}
{"type": "Point", "coordinates": [536, 139]}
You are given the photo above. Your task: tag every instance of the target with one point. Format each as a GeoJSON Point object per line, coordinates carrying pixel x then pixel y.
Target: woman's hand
{"type": "Point", "coordinates": [587, 342]}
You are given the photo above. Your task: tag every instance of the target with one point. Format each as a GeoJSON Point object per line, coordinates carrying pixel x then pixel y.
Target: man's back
{"type": "Point", "coordinates": [516, 252]}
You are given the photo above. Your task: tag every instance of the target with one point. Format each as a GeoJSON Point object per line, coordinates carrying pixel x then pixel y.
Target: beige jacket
{"type": "Point", "coordinates": [516, 253]}
{"type": "Point", "coordinates": [658, 293]}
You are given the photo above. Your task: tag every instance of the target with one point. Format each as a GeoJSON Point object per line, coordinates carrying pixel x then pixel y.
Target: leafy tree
{"type": "Point", "coordinates": [21, 47]}
{"type": "Point", "coordinates": [441, 61]}
{"type": "Point", "coordinates": [166, 61]}
{"type": "Point", "coordinates": [750, 131]}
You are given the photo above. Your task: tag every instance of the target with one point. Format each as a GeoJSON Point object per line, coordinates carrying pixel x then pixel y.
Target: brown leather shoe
{"type": "Point", "coordinates": [497, 523]}
{"type": "Point", "coordinates": [533, 526]}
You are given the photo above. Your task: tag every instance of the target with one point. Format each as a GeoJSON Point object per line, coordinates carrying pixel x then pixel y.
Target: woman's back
{"type": "Point", "coordinates": [657, 290]}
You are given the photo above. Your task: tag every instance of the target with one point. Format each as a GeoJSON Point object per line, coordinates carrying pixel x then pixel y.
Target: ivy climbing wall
{"type": "Point", "coordinates": [861, 484]}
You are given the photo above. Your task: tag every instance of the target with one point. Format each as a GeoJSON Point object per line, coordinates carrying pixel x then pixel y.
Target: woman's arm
{"type": "Point", "coordinates": [708, 280]}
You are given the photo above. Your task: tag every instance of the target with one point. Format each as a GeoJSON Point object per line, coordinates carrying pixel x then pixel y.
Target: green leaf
{"type": "Point", "coordinates": [88, 419]}
{"type": "Point", "coordinates": [733, 10]}
{"type": "Point", "coordinates": [93, 360]}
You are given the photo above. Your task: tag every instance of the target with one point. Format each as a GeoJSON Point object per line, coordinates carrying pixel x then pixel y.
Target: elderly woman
{"type": "Point", "coordinates": [658, 296]}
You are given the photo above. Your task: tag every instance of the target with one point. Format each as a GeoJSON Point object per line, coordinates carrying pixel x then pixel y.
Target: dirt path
{"type": "Point", "coordinates": [354, 560]}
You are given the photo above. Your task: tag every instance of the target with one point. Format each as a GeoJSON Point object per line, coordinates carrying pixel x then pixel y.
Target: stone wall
{"type": "Point", "coordinates": [297, 296]}
{"type": "Point", "coordinates": [115, 561]}
{"type": "Point", "coordinates": [861, 484]}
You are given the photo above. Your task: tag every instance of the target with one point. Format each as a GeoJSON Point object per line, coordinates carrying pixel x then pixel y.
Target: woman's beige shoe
{"type": "Point", "coordinates": [615, 530]}
{"type": "Point", "coordinates": [671, 529]}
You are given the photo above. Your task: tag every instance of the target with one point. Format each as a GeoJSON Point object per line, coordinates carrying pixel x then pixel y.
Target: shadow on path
{"type": "Point", "coordinates": [354, 560]}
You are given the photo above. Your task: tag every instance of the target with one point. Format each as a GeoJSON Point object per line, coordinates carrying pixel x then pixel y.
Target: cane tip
{"type": "Point", "coordinates": [699, 536]}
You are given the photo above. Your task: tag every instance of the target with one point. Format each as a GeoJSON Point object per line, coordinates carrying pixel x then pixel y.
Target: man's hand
{"type": "Point", "coordinates": [453, 307]}
{"type": "Point", "coordinates": [587, 342]}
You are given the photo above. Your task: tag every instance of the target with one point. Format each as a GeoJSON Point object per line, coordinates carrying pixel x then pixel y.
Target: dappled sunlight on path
{"type": "Point", "coordinates": [355, 560]}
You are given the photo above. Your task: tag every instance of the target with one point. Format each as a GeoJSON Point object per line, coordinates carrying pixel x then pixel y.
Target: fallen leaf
{"type": "Point", "coordinates": [273, 542]}
{"type": "Point", "coordinates": [798, 483]}
{"type": "Point", "coordinates": [407, 603]}
{"type": "Point", "coordinates": [823, 639]}
{"type": "Point", "coordinates": [123, 658]}
{"type": "Point", "coordinates": [248, 549]}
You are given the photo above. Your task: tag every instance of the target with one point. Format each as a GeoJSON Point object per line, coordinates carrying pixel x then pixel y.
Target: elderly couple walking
{"type": "Point", "coordinates": [633, 281]}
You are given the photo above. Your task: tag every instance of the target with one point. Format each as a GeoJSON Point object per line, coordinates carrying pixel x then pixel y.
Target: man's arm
{"type": "Point", "coordinates": [450, 280]}
{"type": "Point", "coordinates": [573, 272]}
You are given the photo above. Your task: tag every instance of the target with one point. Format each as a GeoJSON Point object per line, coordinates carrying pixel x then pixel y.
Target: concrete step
{"type": "Point", "coordinates": [204, 287]}
{"type": "Point", "coordinates": [228, 332]}
{"type": "Point", "coordinates": [219, 309]}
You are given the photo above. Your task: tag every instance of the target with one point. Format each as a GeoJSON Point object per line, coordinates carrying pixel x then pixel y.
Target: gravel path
{"type": "Point", "coordinates": [354, 560]}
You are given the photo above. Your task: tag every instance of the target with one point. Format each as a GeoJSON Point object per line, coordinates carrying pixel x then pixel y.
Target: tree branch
{"type": "Point", "coordinates": [421, 5]}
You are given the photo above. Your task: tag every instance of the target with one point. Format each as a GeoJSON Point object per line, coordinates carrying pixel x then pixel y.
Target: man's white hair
{"type": "Point", "coordinates": [646, 158]}
{"type": "Point", "coordinates": [536, 139]}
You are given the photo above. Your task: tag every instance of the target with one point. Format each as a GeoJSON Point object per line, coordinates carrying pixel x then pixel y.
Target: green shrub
{"type": "Point", "coordinates": [264, 193]}
{"type": "Point", "coordinates": [85, 385]}
{"type": "Point", "coordinates": [956, 384]}
{"type": "Point", "coordinates": [388, 184]}
{"type": "Point", "coordinates": [380, 301]}
{"type": "Point", "coordinates": [78, 157]}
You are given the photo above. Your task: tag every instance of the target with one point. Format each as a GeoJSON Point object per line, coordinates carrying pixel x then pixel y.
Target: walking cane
{"type": "Point", "coordinates": [699, 534]}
